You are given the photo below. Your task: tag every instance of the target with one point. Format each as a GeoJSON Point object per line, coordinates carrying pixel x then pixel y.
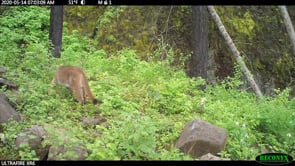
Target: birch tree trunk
{"type": "Point", "coordinates": [289, 26]}
{"type": "Point", "coordinates": [235, 51]}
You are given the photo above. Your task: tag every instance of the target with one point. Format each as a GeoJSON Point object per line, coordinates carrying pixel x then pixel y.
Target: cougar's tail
{"type": "Point", "coordinates": [89, 94]}
{"type": "Point", "coordinates": [94, 101]}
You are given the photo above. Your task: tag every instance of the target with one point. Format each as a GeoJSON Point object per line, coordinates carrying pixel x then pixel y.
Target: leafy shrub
{"type": "Point", "coordinates": [277, 119]}
{"type": "Point", "coordinates": [147, 103]}
{"type": "Point", "coordinates": [21, 27]}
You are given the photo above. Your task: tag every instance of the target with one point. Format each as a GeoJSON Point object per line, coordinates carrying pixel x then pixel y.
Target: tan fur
{"type": "Point", "coordinates": [75, 79]}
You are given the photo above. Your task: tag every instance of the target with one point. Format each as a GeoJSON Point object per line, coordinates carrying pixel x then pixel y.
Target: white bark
{"type": "Point", "coordinates": [289, 26]}
{"type": "Point", "coordinates": [235, 51]}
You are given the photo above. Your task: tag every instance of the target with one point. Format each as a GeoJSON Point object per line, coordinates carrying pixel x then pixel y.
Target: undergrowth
{"type": "Point", "coordinates": [146, 104]}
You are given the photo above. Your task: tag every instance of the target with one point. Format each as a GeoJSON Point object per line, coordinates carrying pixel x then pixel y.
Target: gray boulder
{"type": "Point", "coordinates": [75, 152]}
{"type": "Point", "coordinates": [33, 137]}
{"type": "Point", "coordinates": [200, 137]}
{"type": "Point", "coordinates": [65, 146]}
{"type": "Point", "coordinates": [7, 113]}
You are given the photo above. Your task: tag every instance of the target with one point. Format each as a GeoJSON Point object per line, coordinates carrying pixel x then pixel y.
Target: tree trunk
{"type": "Point", "coordinates": [289, 26]}
{"type": "Point", "coordinates": [55, 33]}
{"type": "Point", "coordinates": [235, 52]}
{"type": "Point", "coordinates": [199, 59]}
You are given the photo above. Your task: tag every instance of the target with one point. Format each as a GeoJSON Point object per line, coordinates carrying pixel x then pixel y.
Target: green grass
{"type": "Point", "coordinates": [146, 104]}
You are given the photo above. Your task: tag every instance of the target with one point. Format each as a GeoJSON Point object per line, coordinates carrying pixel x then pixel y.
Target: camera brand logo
{"type": "Point", "coordinates": [274, 159]}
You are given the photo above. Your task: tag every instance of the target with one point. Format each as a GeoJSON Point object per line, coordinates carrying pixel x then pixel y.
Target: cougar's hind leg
{"type": "Point", "coordinates": [79, 95]}
{"type": "Point", "coordinates": [83, 95]}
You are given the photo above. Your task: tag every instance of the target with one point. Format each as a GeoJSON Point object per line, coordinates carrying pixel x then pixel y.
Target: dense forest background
{"type": "Point", "coordinates": [259, 33]}
{"type": "Point", "coordinates": [136, 59]}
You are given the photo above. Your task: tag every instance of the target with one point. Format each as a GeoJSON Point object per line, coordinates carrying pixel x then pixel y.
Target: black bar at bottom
{"type": "Point", "coordinates": [146, 163]}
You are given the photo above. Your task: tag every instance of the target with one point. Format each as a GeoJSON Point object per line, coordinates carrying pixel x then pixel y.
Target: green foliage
{"type": "Point", "coordinates": [173, 97]}
{"type": "Point", "coordinates": [261, 34]}
{"type": "Point", "coordinates": [251, 123]}
{"type": "Point", "coordinates": [26, 153]}
{"type": "Point", "coordinates": [20, 28]}
{"type": "Point", "coordinates": [258, 31]}
{"type": "Point", "coordinates": [235, 81]}
{"type": "Point", "coordinates": [109, 14]}
{"type": "Point", "coordinates": [82, 18]}
{"type": "Point", "coordinates": [235, 111]}
{"type": "Point", "coordinates": [284, 65]}
{"type": "Point", "coordinates": [120, 27]}
{"type": "Point", "coordinates": [277, 119]}
{"type": "Point", "coordinates": [8, 149]}
{"type": "Point", "coordinates": [244, 25]}
{"type": "Point", "coordinates": [165, 53]}
{"type": "Point", "coordinates": [146, 103]}
{"type": "Point", "coordinates": [135, 138]}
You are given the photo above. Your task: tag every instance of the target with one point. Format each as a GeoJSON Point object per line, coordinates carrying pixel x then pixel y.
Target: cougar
{"type": "Point", "coordinates": [75, 79]}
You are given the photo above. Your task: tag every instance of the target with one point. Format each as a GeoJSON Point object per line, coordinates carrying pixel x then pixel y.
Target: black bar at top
{"type": "Point", "coordinates": [178, 2]}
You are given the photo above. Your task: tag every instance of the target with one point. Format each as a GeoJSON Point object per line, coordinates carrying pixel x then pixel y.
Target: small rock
{"type": "Point", "coordinates": [210, 156]}
{"type": "Point", "coordinates": [93, 121]}
{"type": "Point", "coordinates": [2, 70]}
